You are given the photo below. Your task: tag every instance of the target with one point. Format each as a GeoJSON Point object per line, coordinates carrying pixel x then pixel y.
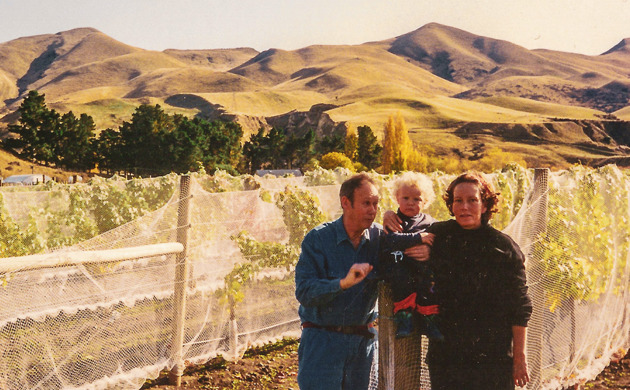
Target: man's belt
{"type": "Point", "coordinates": [361, 330]}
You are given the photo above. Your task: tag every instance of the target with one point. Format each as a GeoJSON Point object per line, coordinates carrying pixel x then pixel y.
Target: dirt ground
{"type": "Point", "coordinates": [274, 366]}
{"type": "Point", "coordinates": [615, 376]}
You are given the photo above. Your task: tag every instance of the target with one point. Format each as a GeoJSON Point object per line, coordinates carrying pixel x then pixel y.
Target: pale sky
{"type": "Point", "coordinates": [578, 26]}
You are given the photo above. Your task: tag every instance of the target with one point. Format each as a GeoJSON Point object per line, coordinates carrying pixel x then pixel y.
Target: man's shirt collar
{"type": "Point", "coordinates": [342, 235]}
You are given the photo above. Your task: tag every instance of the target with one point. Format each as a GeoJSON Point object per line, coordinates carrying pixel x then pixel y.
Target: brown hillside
{"type": "Point", "coordinates": [271, 67]}
{"type": "Point", "coordinates": [220, 60]}
{"type": "Point", "coordinates": [116, 71]}
{"type": "Point", "coordinates": [622, 47]}
{"type": "Point", "coordinates": [166, 82]}
{"type": "Point", "coordinates": [623, 114]}
{"type": "Point", "coordinates": [8, 89]}
{"type": "Point", "coordinates": [593, 71]}
{"type": "Point", "coordinates": [36, 52]}
{"type": "Point", "coordinates": [590, 133]}
{"type": "Point", "coordinates": [438, 77]}
{"type": "Point", "coordinates": [93, 47]}
{"type": "Point", "coordinates": [12, 165]}
{"type": "Point", "coordinates": [337, 71]}
{"type": "Point", "coordinates": [467, 58]}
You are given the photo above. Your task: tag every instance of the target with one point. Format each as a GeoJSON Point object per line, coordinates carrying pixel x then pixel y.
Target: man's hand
{"type": "Point", "coordinates": [357, 273]}
{"type": "Point", "coordinates": [391, 222]}
{"type": "Point", "coordinates": [419, 252]}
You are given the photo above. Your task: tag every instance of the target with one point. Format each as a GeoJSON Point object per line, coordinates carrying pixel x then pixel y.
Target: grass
{"type": "Point", "coordinates": [12, 165]}
{"type": "Point", "coordinates": [542, 108]}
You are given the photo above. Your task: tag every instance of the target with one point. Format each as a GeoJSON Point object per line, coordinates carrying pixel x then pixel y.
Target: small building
{"type": "Point", "coordinates": [279, 172]}
{"type": "Point", "coordinates": [75, 179]}
{"type": "Point", "coordinates": [26, 180]}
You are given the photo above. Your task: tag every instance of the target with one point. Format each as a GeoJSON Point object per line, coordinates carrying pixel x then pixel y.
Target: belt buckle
{"type": "Point", "coordinates": [339, 329]}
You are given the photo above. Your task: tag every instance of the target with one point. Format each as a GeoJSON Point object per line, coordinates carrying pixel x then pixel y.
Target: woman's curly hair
{"type": "Point", "coordinates": [489, 197]}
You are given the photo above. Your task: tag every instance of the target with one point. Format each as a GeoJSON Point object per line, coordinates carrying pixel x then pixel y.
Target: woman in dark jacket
{"type": "Point", "coordinates": [482, 294]}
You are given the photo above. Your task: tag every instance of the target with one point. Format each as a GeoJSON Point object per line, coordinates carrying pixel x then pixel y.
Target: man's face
{"type": "Point", "coordinates": [362, 211]}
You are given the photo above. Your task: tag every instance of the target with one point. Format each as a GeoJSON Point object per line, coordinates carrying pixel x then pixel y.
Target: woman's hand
{"type": "Point", "coordinates": [427, 238]}
{"type": "Point", "coordinates": [519, 372]}
{"type": "Point", "coordinates": [391, 222]}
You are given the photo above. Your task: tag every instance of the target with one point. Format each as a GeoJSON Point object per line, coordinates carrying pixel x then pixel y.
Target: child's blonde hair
{"type": "Point", "coordinates": [418, 180]}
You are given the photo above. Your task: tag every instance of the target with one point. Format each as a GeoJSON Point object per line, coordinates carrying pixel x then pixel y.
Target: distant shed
{"type": "Point", "coordinates": [279, 172]}
{"type": "Point", "coordinates": [25, 180]}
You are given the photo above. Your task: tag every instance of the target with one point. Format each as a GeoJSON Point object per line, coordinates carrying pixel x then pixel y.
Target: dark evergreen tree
{"type": "Point", "coordinates": [36, 132]}
{"type": "Point", "coordinates": [74, 148]}
{"type": "Point", "coordinates": [330, 143]}
{"type": "Point", "coordinates": [108, 151]}
{"type": "Point", "coordinates": [254, 152]}
{"type": "Point", "coordinates": [153, 142]}
{"type": "Point", "coordinates": [298, 149]}
{"type": "Point", "coordinates": [143, 140]}
{"type": "Point", "coordinates": [265, 151]}
{"type": "Point", "coordinates": [215, 144]}
{"type": "Point", "coordinates": [368, 150]}
{"type": "Point", "coordinates": [276, 141]}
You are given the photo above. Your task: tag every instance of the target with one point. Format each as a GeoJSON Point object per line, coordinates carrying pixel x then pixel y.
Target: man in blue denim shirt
{"type": "Point", "coordinates": [337, 293]}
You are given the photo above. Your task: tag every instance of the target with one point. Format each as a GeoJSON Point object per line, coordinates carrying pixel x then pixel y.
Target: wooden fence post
{"type": "Point", "coordinates": [386, 337]}
{"type": "Point", "coordinates": [536, 326]}
{"type": "Point", "coordinates": [181, 282]}
{"type": "Point", "coordinates": [400, 360]}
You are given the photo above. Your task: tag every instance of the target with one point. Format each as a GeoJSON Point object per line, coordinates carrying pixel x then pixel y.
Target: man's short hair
{"type": "Point", "coordinates": [350, 185]}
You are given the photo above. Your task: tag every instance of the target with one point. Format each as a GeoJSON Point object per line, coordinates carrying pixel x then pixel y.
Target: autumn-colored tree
{"type": "Point", "coordinates": [351, 146]}
{"type": "Point", "coordinates": [333, 160]}
{"type": "Point", "coordinates": [397, 146]}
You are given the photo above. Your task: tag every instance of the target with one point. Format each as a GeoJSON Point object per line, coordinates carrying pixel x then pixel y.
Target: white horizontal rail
{"type": "Point", "coordinates": [60, 259]}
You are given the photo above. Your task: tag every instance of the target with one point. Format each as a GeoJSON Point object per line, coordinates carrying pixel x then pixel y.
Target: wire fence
{"type": "Point", "coordinates": [137, 276]}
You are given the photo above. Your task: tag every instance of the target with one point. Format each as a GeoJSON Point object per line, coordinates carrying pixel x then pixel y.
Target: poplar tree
{"type": "Point", "coordinates": [397, 146]}
{"type": "Point", "coordinates": [351, 145]}
{"type": "Point", "coordinates": [403, 145]}
{"type": "Point", "coordinates": [387, 158]}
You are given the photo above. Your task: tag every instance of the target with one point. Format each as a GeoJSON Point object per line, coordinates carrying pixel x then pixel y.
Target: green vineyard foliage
{"type": "Point", "coordinates": [581, 254]}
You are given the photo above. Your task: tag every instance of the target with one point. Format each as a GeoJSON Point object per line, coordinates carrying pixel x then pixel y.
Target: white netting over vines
{"type": "Point", "coordinates": [81, 316]}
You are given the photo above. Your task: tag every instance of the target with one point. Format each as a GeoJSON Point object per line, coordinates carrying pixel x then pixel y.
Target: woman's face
{"type": "Point", "coordinates": [467, 205]}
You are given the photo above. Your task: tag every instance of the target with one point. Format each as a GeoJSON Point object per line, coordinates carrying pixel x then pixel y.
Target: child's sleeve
{"type": "Point", "coordinates": [402, 241]}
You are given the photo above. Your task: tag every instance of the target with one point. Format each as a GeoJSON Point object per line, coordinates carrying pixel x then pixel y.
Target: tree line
{"type": "Point", "coordinates": [155, 142]}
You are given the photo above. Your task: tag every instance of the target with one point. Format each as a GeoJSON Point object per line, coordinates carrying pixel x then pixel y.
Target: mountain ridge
{"type": "Point", "coordinates": [438, 77]}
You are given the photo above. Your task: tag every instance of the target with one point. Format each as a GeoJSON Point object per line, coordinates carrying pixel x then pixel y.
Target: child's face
{"type": "Point", "coordinates": [409, 200]}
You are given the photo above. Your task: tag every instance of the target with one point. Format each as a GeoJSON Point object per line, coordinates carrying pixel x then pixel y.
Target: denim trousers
{"type": "Point", "coordinates": [334, 361]}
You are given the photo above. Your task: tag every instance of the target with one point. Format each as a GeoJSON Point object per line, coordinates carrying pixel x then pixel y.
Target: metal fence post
{"type": "Point", "coordinates": [181, 282]}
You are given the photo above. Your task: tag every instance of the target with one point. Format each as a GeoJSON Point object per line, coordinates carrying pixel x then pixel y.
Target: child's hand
{"type": "Point", "coordinates": [427, 238]}
{"type": "Point", "coordinates": [391, 222]}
